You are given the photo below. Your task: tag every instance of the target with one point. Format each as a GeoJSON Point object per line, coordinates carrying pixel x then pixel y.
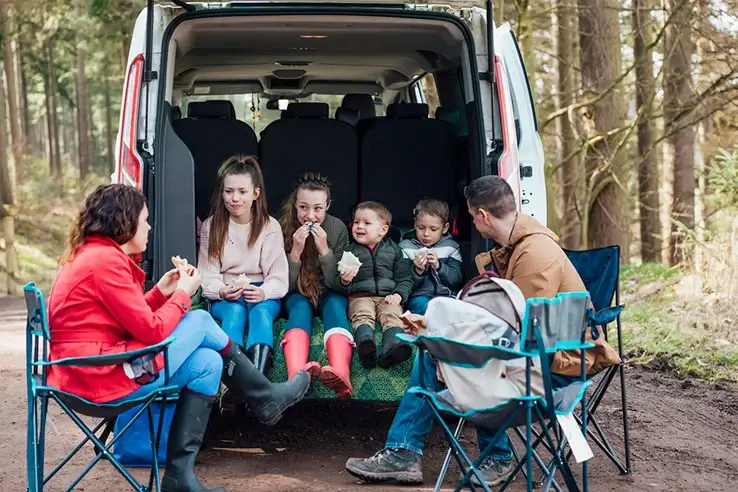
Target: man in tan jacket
{"type": "Point", "coordinates": [528, 254]}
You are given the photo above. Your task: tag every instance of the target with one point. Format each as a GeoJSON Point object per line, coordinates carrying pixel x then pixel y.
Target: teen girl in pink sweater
{"type": "Point", "coordinates": [241, 239]}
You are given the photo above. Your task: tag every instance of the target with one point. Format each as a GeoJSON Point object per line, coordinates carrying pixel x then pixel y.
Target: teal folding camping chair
{"type": "Point", "coordinates": [39, 394]}
{"type": "Point", "coordinates": [548, 325]}
{"type": "Point", "coordinates": [600, 271]}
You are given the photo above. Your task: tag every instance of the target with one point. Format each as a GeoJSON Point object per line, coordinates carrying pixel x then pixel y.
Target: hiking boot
{"type": "Point", "coordinates": [494, 472]}
{"type": "Point", "coordinates": [388, 464]}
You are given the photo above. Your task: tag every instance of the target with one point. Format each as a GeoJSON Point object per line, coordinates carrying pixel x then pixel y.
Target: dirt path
{"type": "Point", "coordinates": [684, 436]}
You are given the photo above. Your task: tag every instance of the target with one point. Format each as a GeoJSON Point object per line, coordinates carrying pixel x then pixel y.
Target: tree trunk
{"type": "Point", "coordinates": [678, 98]}
{"type": "Point", "coordinates": [569, 173]}
{"type": "Point", "coordinates": [49, 124]}
{"type": "Point", "coordinates": [525, 35]}
{"type": "Point", "coordinates": [16, 130]}
{"type": "Point", "coordinates": [648, 177]}
{"type": "Point", "coordinates": [7, 202]}
{"type": "Point", "coordinates": [109, 138]}
{"type": "Point", "coordinates": [83, 124]}
{"type": "Point", "coordinates": [23, 90]}
{"type": "Point", "coordinates": [54, 115]}
{"type": "Point", "coordinates": [606, 175]}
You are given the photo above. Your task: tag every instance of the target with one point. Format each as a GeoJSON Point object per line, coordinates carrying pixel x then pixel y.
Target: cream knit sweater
{"type": "Point", "coordinates": [265, 262]}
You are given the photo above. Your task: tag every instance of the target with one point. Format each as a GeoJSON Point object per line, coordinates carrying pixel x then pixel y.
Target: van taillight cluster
{"type": "Point", "coordinates": [508, 164]}
{"type": "Point", "coordinates": [129, 163]}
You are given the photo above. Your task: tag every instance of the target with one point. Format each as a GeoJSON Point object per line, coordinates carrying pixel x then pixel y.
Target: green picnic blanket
{"type": "Point", "coordinates": [369, 385]}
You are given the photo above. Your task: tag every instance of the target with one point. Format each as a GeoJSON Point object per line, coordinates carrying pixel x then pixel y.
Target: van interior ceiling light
{"type": "Point", "coordinates": [313, 36]}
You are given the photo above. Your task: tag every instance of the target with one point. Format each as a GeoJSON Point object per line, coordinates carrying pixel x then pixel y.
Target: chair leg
{"type": "Point", "coordinates": [624, 401]}
{"type": "Point", "coordinates": [447, 460]}
{"type": "Point", "coordinates": [32, 448]}
{"type": "Point", "coordinates": [155, 433]}
{"type": "Point", "coordinates": [105, 448]}
{"type": "Point", "coordinates": [42, 440]}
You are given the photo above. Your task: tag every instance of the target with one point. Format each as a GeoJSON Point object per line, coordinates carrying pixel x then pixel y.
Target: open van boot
{"type": "Point", "coordinates": [266, 399]}
{"type": "Point", "coordinates": [336, 376]}
{"type": "Point", "coordinates": [366, 346]}
{"type": "Point", "coordinates": [185, 438]}
{"type": "Point", "coordinates": [296, 347]}
{"type": "Point", "coordinates": [394, 351]}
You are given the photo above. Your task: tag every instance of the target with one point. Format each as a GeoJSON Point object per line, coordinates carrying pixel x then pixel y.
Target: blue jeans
{"type": "Point", "coordinates": [414, 418]}
{"type": "Point", "coordinates": [418, 304]}
{"type": "Point", "coordinates": [234, 316]}
{"type": "Point", "coordinates": [194, 361]}
{"type": "Point", "coordinates": [332, 310]}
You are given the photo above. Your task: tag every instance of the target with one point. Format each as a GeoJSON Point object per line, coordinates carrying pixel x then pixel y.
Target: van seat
{"type": "Point", "coordinates": [307, 140]}
{"type": "Point", "coordinates": [213, 134]}
{"type": "Point", "coordinates": [347, 115]}
{"type": "Point", "coordinates": [406, 157]}
{"type": "Point", "coordinates": [363, 103]}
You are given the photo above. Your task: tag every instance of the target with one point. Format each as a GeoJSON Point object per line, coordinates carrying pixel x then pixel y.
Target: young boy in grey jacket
{"type": "Point", "coordinates": [435, 255]}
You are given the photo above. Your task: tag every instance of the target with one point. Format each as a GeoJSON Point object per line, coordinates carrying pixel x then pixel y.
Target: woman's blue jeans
{"type": "Point", "coordinates": [194, 361]}
{"type": "Point", "coordinates": [414, 418]}
{"type": "Point", "coordinates": [332, 310]}
{"type": "Point", "coordinates": [235, 316]}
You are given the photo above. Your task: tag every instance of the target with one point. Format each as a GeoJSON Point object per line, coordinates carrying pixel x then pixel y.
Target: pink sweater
{"type": "Point", "coordinates": [266, 261]}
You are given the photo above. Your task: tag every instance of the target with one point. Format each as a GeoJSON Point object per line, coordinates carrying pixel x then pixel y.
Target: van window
{"type": "Point", "coordinates": [427, 92]}
{"type": "Point", "coordinates": [252, 108]}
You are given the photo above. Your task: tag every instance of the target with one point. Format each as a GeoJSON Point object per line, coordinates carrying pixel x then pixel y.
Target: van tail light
{"type": "Point", "coordinates": [129, 165]}
{"type": "Point", "coordinates": [508, 164]}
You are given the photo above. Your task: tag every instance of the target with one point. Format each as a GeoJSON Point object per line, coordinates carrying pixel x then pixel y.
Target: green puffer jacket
{"type": "Point", "coordinates": [384, 272]}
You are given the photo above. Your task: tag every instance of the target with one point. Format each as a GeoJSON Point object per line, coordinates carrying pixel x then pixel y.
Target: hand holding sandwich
{"type": "Point", "coordinates": [184, 276]}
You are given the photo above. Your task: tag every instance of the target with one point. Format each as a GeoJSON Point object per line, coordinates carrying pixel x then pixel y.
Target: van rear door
{"type": "Point", "coordinates": [530, 147]}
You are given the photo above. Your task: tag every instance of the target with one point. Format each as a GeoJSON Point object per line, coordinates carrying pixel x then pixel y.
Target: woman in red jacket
{"type": "Point", "coordinates": [97, 306]}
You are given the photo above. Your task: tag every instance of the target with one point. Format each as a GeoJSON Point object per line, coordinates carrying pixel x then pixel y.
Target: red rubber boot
{"type": "Point", "coordinates": [336, 376]}
{"type": "Point", "coordinates": [296, 347]}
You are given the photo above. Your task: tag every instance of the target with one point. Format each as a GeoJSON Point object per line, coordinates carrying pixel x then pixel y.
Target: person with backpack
{"type": "Point", "coordinates": [526, 253]}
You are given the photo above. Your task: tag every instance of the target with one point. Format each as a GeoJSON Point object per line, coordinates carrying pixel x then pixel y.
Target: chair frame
{"type": "Point", "coordinates": [39, 393]}
{"type": "Point", "coordinates": [540, 407]}
{"type": "Point", "coordinates": [603, 384]}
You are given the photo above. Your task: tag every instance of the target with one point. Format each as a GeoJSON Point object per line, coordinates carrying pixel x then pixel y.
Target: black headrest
{"type": "Point", "coordinates": [348, 115]}
{"type": "Point", "coordinates": [211, 109]}
{"type": "Point", "coordinates": [307, 110]}
{"type": "Point", "coordinates": [363, 103]}
{"type": "Point", "coordinates": [176, 113]}
{"type": "Point", "coordinates": [449, 115]}
{"type": "Point", "coordinates": [407, 110]}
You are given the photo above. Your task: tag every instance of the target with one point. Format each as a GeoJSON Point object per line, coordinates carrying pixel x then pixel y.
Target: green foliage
{"type": "Point", "coordinates": [665, 330]}
{"type": "Point", "coordinates": [724, 178]}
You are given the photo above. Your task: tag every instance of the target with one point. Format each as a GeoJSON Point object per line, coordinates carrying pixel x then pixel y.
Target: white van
{"type": "Point", "coordinates": [392, 102]}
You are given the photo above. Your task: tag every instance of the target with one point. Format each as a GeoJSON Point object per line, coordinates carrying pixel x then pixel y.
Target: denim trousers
{"type": "Point", "coordinates": [418, 304]}
{"type": "Point", "coordinates": [414, 418]}
{"type": "Point", "coordinates": [194, 361]}
{"type": "Point", "coordinates": [236, 316]}
{"type": "Point", "coordinates": [332, 309]}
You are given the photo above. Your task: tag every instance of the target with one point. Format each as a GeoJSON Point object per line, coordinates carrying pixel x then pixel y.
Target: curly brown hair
{"type": "Point", "coordinates": [110, 211]}
{"type": "Point", "coordinates": [237, 164]}
{"type": "Point", "coordinates": [310, 282]}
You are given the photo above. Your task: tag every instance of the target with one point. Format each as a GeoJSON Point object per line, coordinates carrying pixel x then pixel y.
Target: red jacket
{"type": "Point", "coordinates": [96, 307]}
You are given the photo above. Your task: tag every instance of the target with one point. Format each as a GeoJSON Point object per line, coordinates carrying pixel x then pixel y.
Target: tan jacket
{"type": "Point", "coordinates": [540, 268]}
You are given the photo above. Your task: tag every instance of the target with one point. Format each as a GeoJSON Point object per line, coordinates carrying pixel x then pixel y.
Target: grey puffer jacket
{"type": "Point", "coordinates": [449, 276]}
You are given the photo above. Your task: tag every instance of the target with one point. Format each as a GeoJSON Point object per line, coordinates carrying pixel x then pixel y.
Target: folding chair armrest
{"type": "Point", "coordinates": [606, 315]}
{"type": "Point", "coordinates": [111, 359]}
{"type": "Point", "coordinates": [569, 345]}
